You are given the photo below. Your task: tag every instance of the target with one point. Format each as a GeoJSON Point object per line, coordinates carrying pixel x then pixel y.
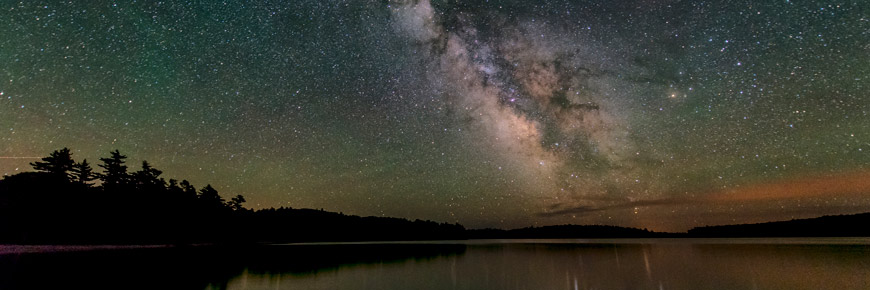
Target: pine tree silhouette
{"type": "Point", "coordinates": [148, 178]}
{"type": "Point", "coordinates": [115, 171]}
{"type": "Point", "coordinates": [209, 198]}
{"type": "Point", "coordinates": [58, 163]}
{"type": "Point", "coordinates": [236, 202]}
{"type": "Point", "coordinates": [83, 173]}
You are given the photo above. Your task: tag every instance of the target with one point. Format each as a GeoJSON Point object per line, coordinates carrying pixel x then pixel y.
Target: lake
{"type": "Point", "coordinates": [800, 263]}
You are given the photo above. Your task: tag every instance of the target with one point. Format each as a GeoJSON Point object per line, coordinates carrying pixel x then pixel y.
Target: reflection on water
{"type": "Point", "coordinates": [556, 264]}
{"type": "Point", "coordinates": [198, 267]}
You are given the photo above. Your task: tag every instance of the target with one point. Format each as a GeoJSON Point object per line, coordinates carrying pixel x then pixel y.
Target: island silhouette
{"type": "Point", "coordinates": [66, 202]}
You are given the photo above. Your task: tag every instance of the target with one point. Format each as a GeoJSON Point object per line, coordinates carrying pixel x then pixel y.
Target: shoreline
{"type": "Point", "coordinates": [34, 249]}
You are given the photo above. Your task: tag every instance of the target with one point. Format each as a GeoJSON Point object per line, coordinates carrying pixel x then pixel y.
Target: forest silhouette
{"type": "Point", "coordinates": [67, 202]}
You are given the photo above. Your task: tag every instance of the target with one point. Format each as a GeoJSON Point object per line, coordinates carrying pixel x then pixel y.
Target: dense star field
{"type": "Point", "coordinates": [657, 114]}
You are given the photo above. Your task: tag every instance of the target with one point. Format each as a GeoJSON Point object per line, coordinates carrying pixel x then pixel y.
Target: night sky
{"type": "Point", "coordinates": [654, 114]}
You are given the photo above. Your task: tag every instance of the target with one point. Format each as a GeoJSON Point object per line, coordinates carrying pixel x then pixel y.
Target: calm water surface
{"type": "Point", "coordinates": [840, 263]}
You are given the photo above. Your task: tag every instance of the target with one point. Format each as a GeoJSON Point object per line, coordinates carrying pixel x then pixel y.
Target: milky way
{"type": "Point", "coordinates": [656, 114]}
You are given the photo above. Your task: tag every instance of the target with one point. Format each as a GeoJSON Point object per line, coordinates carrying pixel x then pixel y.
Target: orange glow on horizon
{"type": "Point", "coordinates": [841, 184]}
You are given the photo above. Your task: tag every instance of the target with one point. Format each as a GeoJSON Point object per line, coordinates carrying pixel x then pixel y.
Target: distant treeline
{"type": "Point", "coordinates": [66, 202]}
{"type": "Point", "coordinates": [857, 225]}
{"type": "Point", "coordinates": [566, 232]}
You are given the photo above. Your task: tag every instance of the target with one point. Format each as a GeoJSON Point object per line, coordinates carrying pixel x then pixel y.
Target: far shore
{"type": "Point", "coordinates": [27, 249]}
{"type": "Point", "coordinates": [32, 249]}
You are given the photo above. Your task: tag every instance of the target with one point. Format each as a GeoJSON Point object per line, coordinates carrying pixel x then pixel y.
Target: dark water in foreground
{"type": "Point", "coordinates": [526, 264]}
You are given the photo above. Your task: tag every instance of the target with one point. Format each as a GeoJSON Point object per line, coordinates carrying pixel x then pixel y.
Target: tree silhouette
{"type": "Point", "coordinates": [188, 189]}
{"type": "Point", "coordinates": [61, 205]}
{"type": "Point", "coordinates": [148, 178]}
{"type": "Point", "coordinates": [115, 171]}
{"type": "Point", "coordinates": [83, 173]}
{"type": "Point", "coordinates": [236, 202]}
{"type": "Point", "coordinates": [209, 197]}
{"type": "Point", "coordinates": [173, 188]}
{"type": "Point", "coordinates": [58, 163]}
